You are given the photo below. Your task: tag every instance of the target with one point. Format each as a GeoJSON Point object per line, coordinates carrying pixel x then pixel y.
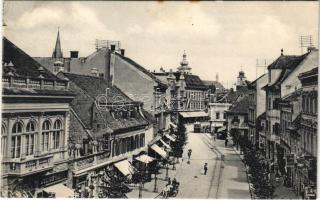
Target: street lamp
{"type": "Point", "coordinates": [140, 190]}
{"type": "Point", "coordinates": [167, 172]}
{"type": "Point", "coordinates": [155, 189]}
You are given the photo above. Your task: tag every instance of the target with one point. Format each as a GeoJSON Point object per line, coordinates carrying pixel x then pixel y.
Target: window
{"type": "Point", "coordinates": [16, 140]}
{"type": "Point", "coordinates": [56, 134]}
{"type": "Point", "coordinates": [269, 103]}
{"type": "Point", "coordinates": [217, 115]}
{"type": "Point", "coordinates": [3, 141]}
{"type": "Point", "coordinates": [45, 135]}
{"type": "Point", "coordinates": [29, 139]}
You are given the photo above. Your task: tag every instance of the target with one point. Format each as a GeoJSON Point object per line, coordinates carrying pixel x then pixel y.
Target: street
{"type": "Point", "coordinates": [224, 179]}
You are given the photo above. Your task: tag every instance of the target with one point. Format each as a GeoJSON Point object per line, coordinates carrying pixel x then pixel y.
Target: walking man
{"type": "Point", "coordinates": [205, 168]}
{"type": "Point", "coordinates": [189, 153]}
{"type": "Point", "coordinates": [226, 142]}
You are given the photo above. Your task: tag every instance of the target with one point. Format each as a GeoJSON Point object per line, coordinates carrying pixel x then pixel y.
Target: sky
{"type": "Point", "coordinates": [218, 37]}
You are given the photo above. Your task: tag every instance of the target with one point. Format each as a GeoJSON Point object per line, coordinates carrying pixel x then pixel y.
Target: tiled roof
{"type": "Point", "coordinates": [194, 82]}
{"type": "Point", "coordinates": [240, 106]}
{"type": "Point", "coordinates": [94, 86]}
{"type": "Point", "coordinates": [142, 69]}
{"type": "Point", "coordinates": [287, 62]}
{"type": "Point", "coordinates": [87, 88]}
{"type": "Point", "coordinates": [24, 65]}
{"type": "Point", "coordinates": [232, 96]}
{"type": "Point", "coordinates": [262, 116]}
{"type": "Point", "coordinates": [218, 85]}
{"type": "Point", "coordinates": [35, 92]}
{"type": "Point", "coordinates": [311, 72]}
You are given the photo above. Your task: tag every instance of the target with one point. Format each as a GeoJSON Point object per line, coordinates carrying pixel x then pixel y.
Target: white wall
{"type": "Point", "coordinates": [293, 83]}
{"type": "Point", "coordinates": [261, 95]}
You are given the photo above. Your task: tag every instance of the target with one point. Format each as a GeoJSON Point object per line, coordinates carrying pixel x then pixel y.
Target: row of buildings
{"type": "Point", "coordinates": [277, 113]}
{"type": "Point", "coordinates": [67, 119]}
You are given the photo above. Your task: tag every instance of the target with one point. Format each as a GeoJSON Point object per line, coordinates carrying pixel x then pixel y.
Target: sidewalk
{"type": "Point", "coordinates": [147, 190]}
{"type": "Point", "coordinates": [281, 192]}
{"type": "Point", "coordinates": [234, 182]}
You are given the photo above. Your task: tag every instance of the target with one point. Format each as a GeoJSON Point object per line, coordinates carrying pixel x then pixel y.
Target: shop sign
{"type": "Point", "coordinates": [310, 192]}
{"type": "Point", "coordinates": [290, 160]}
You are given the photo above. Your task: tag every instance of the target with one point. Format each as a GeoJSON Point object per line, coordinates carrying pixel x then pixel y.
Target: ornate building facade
{"type": "Point", "coordinates": [35, 126]}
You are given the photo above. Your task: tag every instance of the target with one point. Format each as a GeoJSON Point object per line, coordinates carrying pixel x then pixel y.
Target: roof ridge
{"type": "Point", "coordinates": [140, 67]}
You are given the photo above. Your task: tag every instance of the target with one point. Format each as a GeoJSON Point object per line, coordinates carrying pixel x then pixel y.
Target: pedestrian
{"type": "Point", "coordinates": [189, 153]}
{"type": "Point", "coordinates": [169, 181]}
{"type": "Point", "coordinates": [226, 142]}
{"type": "Point", "coordinates": [214, 137]}
{"type": "Point", "coordinates": [205, 167]}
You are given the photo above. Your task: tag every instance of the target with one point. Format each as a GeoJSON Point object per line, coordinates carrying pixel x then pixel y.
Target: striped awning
{"type": "Point", "coordinates": [165, 144]}
{"type": "Point", "coordinates": [125, 167]}
{"type": "Point", "coordinates": [194, 114]}
{"type": "Point", "coordinates": [145, 158]}
{"type": "Point", "coordinates": [159, 151]}
{"type": "Point", "coordinates": [170, 137]}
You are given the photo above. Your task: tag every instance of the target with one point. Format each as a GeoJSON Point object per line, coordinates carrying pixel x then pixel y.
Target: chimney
{"type": "Point", "coordinates": [94, 72]}
{"type": "Point", "coordinates": [113, 47]}
{"type": "Point", "coordinates": [122, 52]}
{"type": "Point", "coordinates": [74, 54]}
{"type": "Point", "coordinates": [311, 49]}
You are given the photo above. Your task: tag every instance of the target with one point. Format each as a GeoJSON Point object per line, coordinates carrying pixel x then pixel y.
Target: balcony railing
{"type": "Point", "coordinates": [91, 160]}
{"type": "Point", "coordinates": [23, 168]}
{"type": "Point", "coordinates": [35, 83]}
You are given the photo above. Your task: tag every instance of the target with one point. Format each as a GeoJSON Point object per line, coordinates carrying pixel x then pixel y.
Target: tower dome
{"type": "Point", "coordinates": [184, 64]}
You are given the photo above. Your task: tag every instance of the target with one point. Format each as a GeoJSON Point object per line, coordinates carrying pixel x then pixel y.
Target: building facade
{"type": "Point", "coordinates": [188, 94]}
{"type": "Point", "coordinates": [106, 128]}
{"type": "Point", "coordinates": [35, 126]}
{"type": "Point", "coordinates": [109, 62]}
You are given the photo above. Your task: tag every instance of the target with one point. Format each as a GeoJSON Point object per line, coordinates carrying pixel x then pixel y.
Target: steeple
{"type": "Point", "coordinates": [57, 52]}
{"type": "Point", "coordinates": [184, 64]}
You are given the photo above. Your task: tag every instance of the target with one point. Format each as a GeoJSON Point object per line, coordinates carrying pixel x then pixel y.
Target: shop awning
{"type": "Point", "coordinates": [145, 158]}
{"type": "Point", "coordinates": [173, 125]}
{"type": "Point", "coordinates": [125, 167]}
{"type": "Point", "coordinates": [170, 137]}
{"type": "Point", "coordinates": [159, 151]}
{"type": "Point", "coordinates": [60, 191]}
{"type": "Point", "coordinates": [194, 114]}
{"type": "Point", "coordinates": [221, 129]}
{"type": "Point", "coordinates": [165, 144]}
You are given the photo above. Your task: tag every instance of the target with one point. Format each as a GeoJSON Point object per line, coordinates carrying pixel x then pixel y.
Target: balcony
{"type": "Point", "coordinates": [27, 167]}
{"type": "Point", "coordinates": [35, 83]}
{"type": "Point", "coordinates": [91, 160]}
{"type": "Point", "coordinates": [236, 125]}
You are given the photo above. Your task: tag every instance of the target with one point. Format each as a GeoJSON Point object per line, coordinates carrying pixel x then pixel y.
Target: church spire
{"type": "Point", "coordinates": [57, 52]}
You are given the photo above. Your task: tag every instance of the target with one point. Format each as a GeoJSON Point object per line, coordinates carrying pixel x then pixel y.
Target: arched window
{"type": "Point", "coordinates": [3, 140]}
{"type": "Point", "coordinates": [137, 141]}
{"type": "Point", "coordinates": [30, 138]}
{"type": "Point", "coordinates": [45, 135]}
{"type": "Point", "coordinates": [142, 140]}
{"type": "Point", "coordinates": [56, 134]}
{"type": "Point", "coordinates": [16, 140]}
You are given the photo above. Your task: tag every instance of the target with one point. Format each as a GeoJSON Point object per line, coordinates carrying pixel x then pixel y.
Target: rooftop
{"type": "Point", "coordinates": [87, 89]}
{"type": "Point", "coordinates": [21, 64]}
{"type": "Point", "coordinates": [240, 106]}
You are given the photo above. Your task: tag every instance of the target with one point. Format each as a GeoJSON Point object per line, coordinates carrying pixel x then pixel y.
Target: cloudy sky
{"type": "Point", "coordinates": [218, 37]}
